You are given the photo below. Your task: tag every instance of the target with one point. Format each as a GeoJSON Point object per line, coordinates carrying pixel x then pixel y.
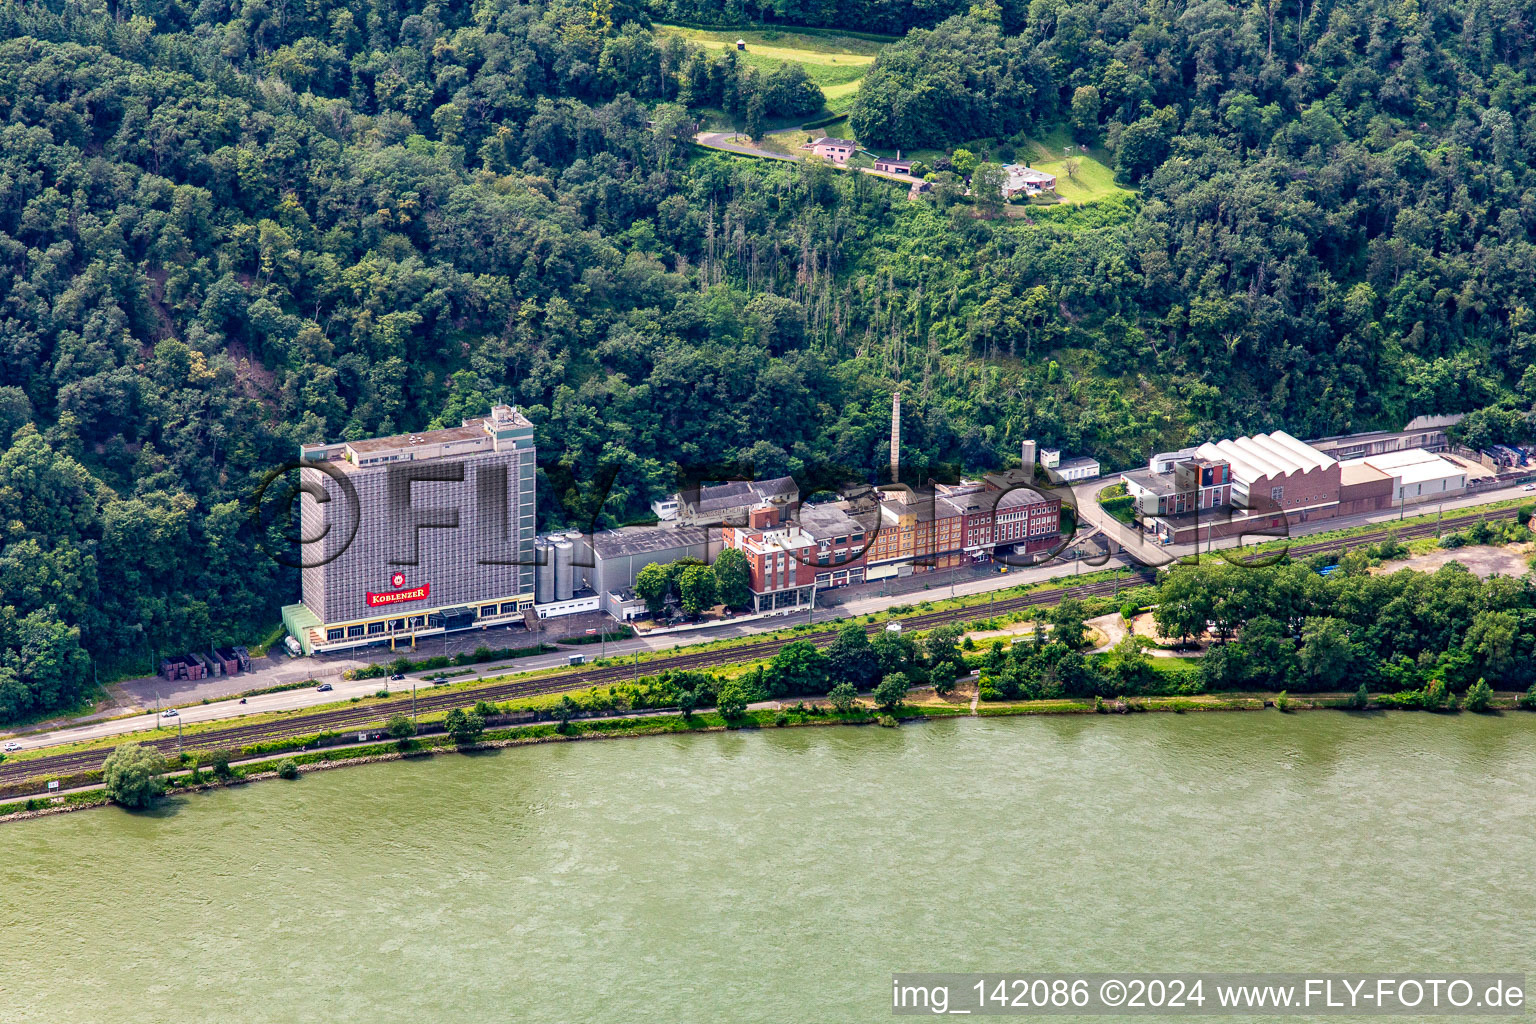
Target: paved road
{"type": "Point", "coordinates": [726, 142]}
{"type": "Point", "coordinates": [852, 601]}
{"type": "Point", "coordinates": [1150, 552]}
{"type": "Point", "coordinates": [369, 713]}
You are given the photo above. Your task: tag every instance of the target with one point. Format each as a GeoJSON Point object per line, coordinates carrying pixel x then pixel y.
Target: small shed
{"type": "Point", "coordinates": [741, 44]}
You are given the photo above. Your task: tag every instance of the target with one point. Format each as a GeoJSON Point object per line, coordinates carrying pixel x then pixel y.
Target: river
{"type": "Point", "coordinates": [783, 875]}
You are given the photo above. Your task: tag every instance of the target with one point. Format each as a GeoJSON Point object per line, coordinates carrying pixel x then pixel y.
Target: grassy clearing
{"type": "Point", "coordinates": [1049, 152]}
{"type": "Point", "coordinates": [835, 62]}
{"type": "Point", "coordinates": [828, 59]}
{"type": "Point", "coordinates": [1091, 182]}
{"type": "Point", "coordinates": [840, 96]}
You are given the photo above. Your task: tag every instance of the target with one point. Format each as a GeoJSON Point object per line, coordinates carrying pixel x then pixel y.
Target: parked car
{"type": "Point", "coordinates": [1529, 487]}
{"type": "Point", "coordinates": [12, 747]}
{"type": "Point", "coordinates": [169, 713]}
{"type": "Point", "coordinates": [325, 688]}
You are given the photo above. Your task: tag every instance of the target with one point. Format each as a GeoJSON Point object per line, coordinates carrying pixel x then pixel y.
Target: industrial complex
{"type": "Point", "coordinates": [430, 533]}
{"type": "Point", "coordinates": [1252, 484]}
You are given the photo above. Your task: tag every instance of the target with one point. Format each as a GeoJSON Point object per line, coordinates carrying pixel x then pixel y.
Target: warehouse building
{"type": "Point", "coordinates": [1416, 475]}
{"type": "Point", "coordinates": [619, 555]}
{"type": "Point", "coordinates": [416, 534]}
{"type": "Point", "coordinates": [1276, 475]}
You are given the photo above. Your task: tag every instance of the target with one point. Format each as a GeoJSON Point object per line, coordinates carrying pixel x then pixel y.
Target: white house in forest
{"type": "Point", "coordinates": [1026, 181]}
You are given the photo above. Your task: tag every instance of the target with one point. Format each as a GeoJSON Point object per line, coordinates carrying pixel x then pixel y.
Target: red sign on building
{"type": "Point", "coordinates": [398, 596]}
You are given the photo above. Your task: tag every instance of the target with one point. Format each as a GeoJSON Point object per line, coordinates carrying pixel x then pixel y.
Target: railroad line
{"type": "Point", "coordinates": [373, 713]}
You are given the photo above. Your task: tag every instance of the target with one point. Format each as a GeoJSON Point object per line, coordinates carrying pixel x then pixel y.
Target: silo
{"type": "Point", "coordinates": [564, 551]}
{"type": "Point", "coordinates": [544, 572]}
{"type": "Point", "coordinates": [581, 560]}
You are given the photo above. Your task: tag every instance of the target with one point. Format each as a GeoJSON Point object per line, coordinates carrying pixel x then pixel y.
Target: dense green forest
{"type": "Point", "coordinates": [226, 228]}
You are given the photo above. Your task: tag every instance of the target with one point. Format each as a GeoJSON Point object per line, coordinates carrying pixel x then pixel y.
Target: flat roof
{"type": "Point", "coordinates": [827, 521]}
{"type": "Point", "coordinates": [1160, 484]}
{"type": "Point", "coordinates": [1355, 471]}
{"type": "Point", "coordinates": [1413, 466]}
{"type": "Point", "coordinates": [647, 540]}
{"type": "Point", "coordinates": [1399, 459]}
{"type": "Point", "coordinates": [1423, 472]}
{"type": "Point", "coordinates": [471, 431]}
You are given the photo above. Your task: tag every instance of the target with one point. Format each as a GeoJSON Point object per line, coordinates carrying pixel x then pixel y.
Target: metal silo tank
{"type": "Point", "coordinates": [544, 572]}
{"type": "Point", "coordinates": [564, 551]}
{"type": "Point", "coordinates": [581, 559]}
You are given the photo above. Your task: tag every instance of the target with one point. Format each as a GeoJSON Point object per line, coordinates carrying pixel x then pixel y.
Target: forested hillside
{"type": "Point", "coordinates": [228, 228]}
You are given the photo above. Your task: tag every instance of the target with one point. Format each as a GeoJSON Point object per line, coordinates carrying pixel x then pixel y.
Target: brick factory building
{"type": "Point", "coordinates": [789, 561]}
{"type": "Point", "coordinates": [439, 535]}
{"type": "Point", "coordinates": [950, 525]}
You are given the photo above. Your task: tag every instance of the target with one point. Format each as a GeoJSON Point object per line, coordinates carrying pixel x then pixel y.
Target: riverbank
{"type": "Point", "coordinates": [926, 706]}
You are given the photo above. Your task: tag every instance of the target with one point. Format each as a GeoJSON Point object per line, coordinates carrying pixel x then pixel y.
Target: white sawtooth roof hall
{"type": "Point", "coordinates": [1267, 455]}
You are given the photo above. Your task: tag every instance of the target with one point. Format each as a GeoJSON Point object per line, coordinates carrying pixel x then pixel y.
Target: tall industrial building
{"type": "Point", "coordinates": [416, 534]}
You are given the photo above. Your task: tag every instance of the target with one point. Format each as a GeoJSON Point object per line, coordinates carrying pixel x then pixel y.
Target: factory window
{"type": "Point", "coordinates": [375, 627]}
{"type": "Point", "coordinates": [396, 624]}
{"type": "Point", "coordinates": [333, 634]}
{"type": "Point", "coordinates": [508, 607]}
{"type": "Point", "coordinates": [353, 631]}
{"type": "Point", "coordinates": [1276, 494]}
{"type": "Point", "coordinates": [487, 609]}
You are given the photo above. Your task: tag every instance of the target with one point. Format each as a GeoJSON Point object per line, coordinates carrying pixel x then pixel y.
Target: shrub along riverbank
{"type": "Point", "coordinates": [224, 770]}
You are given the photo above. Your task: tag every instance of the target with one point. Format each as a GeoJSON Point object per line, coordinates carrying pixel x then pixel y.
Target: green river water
{"type": "Point", "coordinates": [783, 875]}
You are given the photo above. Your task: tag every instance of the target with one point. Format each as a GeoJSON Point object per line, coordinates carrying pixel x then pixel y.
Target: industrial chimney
{"type": "Point", "coordinates": [896, 439]}
{"type": "Point", "coordinates": [1029, 450]}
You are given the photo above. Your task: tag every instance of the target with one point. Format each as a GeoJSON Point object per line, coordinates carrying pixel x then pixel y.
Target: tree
{"type": "Point", "coordinates": [400, 727]}
{"type": "Point", "coordinates": [843, 697]}
{"type": "Point", "coordinates": [564, 711]}
{"type": "Point", "coordinates": [799, 667]}
{"type": "Point", "coordinates": [1479, 695]}
{"type": "Point", "coordinates": [218, 760]}
{"type": "Point", "coordinates": [964, 161]}
{"type": "Point", "coordinates": [1085, 113]}
{"type": "Point", "coordinates": [1145, 144]}
{"type": "Point", "coordinates": [987, 185]}
{"type": "Point", "coordinates": [131, 775]}
{"type": "Point", "coordinates": [697, 587]}
{"type": "Point", "coordinates": [897, 652]}
{"type": "Point", "coordinates": [892, 690]}
{"type": "Point", "coordinates": [943, 646]}
{"type": "Point", "coordinates": [757, 109]}
{"type": "Point", "coordinates": [733, 579]}
{"type": "Point", "coordinates": [1067, 624]}
{"type": "Point", "coordinates": [851, 658]}
{"type": "Point", "coordinates": [731, 700]}
{"type": "Point", "coordinates": [1184, 604]}
{"type": "Point", "coordinates": [653, 584]}
{"type": "Point", "coordinates": [942, 677]}
{"type": "Point", "coordinates": [1327, 654]}
{"type": "Point", "coordinates": [288, 768]}
{"type": "Point", "coordinates": [1361, 699]}
{"type": "Point", "coordinates": [463, 726]}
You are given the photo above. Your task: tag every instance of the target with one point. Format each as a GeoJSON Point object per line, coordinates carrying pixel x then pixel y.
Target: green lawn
{"type": "Point", "coordinates": [1092, 181]}
{"type": "Point", "coordinates": [835, 62]}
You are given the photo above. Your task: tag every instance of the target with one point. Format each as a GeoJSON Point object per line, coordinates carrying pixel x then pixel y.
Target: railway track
{"type": "Point", "coordinates": [375, 712]}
